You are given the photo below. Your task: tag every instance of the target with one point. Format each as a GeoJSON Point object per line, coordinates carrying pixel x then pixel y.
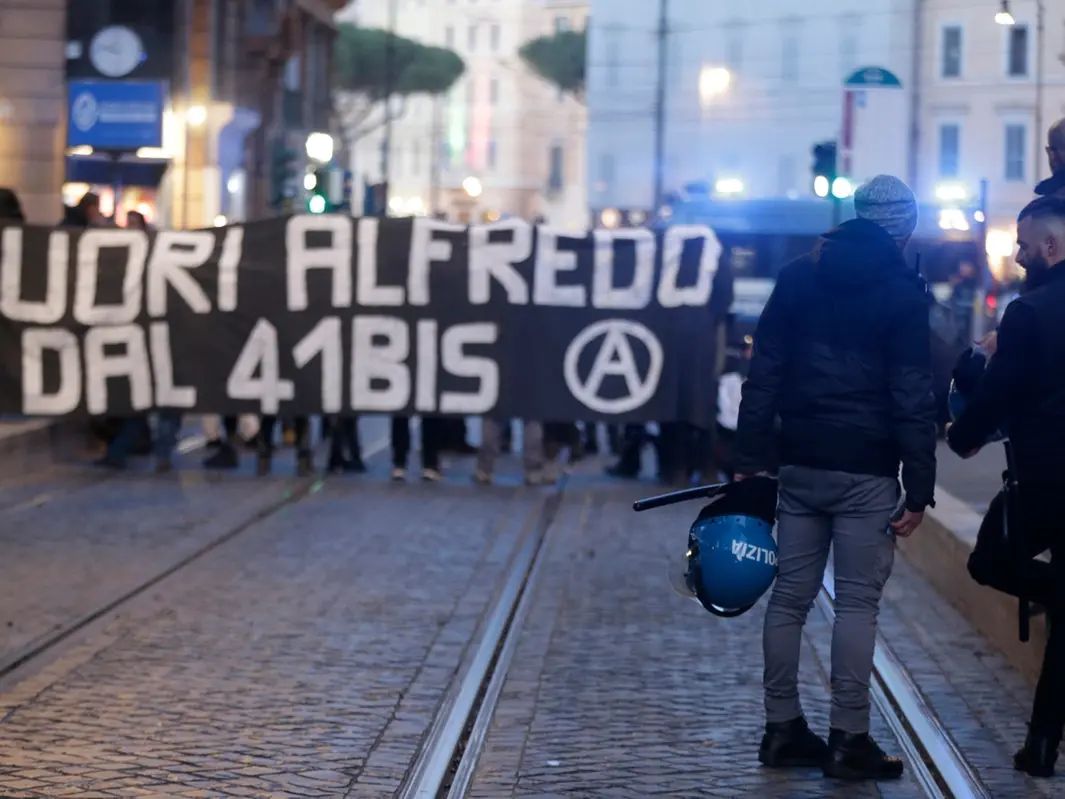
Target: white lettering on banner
{"type": "Point", "coordinates": [65, 399]}
{"type": "Point", "coordinates": [383, 362]}
{"type": "Point", "coordinates": [325, 340]}
{"type": "Point", "coordinates": [260, 355]}
{"type": "Point", "coordinates": [368, 291]}
{"type": "Point", "coordinates": [55, 297]}
{"type": "Point", "coordinates": [550, 262]}
{"type": "Point", "coordinates": [228, 263]}
{"type": "Point", "coordinates": [669, 294]}
{"type": "Point", "coordinates": [175, 253]}
{"type": "Point", "coordinates": [167, 395]}
{"type": "Point", "coordinates": [425, 382]}
{"type": "Point", "coordinates": [496, 259]}
{"type": "Point", "coordinates": [614, 357]}
{"type": "Point", "coordinates": [131, 363]}
{"type": "Point", "coordinates": [86, 310]}
{"type": "Point", "coordinates": [638, 295]}
{"type": "Point", "coordinates": [301, 258]}
{"type": "Point", "coordinates": [425, 250]}
{"type": "Point", "coordinates": [457, 362]}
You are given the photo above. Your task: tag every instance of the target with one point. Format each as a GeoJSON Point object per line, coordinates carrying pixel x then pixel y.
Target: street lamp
{"type": "Point", "coordinates": [319, 147]}
{"type": "Point", "coordinates": [472, 187]}
{"type": "Point", "coordinates": [713, 82]}
{"type": "Point", "coordinates": [1005, 17]}
{"type": "Point", "coordinates": [195, 117]}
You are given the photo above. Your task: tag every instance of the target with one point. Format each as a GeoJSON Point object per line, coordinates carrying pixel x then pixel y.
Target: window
{"type": "Point", "coordinates": [1016, 138]}
{"type": "Point", "coordinates": [1017, 65]}
{"type": "Point", "coordinates": [449, 37]}
{"type": "Point", "coordinates": [555, 177]}
{"type": "Point", "coordinates": [789, 57]}
{"type": "Point", "coordinates": [850, 31]}
{"type": "Point", "coordinates": [490, 156]}
{"type": "Point", "coordinates": [611, 57]}
{"type": "Point", "coordinates": [734, 49]}
{"type": "Point", "coordinates": [493, 91]}
{"type": "Point", "coordinates": [949, 148]}
{"type": "Point", "coordinates": [951, 66]}
{"type": "Point", "coordinates": [562, 24]}
{"type": "Point", "coordinates": [606, 172]}
{"type": "Point", "coordinates": [785, 175]}
{"type": "Point", "coordinates": [471, 38]}
{"type": "Point", "coordinates": [494, 36]}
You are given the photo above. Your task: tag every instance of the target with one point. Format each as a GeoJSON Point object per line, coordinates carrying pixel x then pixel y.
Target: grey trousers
{"type": "Point", "coordinates": [849, 512]}
{"type": "Point", "coordinates": [532, 435]}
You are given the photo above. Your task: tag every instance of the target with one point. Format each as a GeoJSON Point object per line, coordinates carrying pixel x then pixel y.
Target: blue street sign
{"type": "Point", "coordinates": [115, 115]}
{"type": "Point", "coordinates": [873, 77]}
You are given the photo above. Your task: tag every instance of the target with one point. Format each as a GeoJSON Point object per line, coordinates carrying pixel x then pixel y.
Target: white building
{"type": "Point", "coordinates": [502, 142]}
{"type": "Point", "coordinates": [983, 113]}
{"type": "Point", "coordinates": [750, 89]}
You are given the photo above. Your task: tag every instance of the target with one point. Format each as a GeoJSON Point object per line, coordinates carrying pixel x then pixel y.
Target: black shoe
{"type": "Point", "coordinates": [225, 458]}
{"type": "Point", "coordinates": [107, 462]}
{"type": "Point", "coordinates": [1038, 755]}
{"type": "Point", "coordinates": [304, 465]}
{"type": "Point", "coordinates": [791, 744]}
{"type": "Point", "coordinates": [355, 466]}
{"type": "Point", "coordinates": [213, 443]}
{"type": "Point", "coordinates": [857, 757]}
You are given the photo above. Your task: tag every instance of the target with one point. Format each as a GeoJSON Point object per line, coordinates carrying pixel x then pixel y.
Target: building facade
{"type": "Point", "coordinates": [502, 141]}
{"type": "Point", "coordinates": [227, 71]}
{"type": "Point", "coordinates": [986, 104]}
{"type": "Point", "coordinates": [749, 89]}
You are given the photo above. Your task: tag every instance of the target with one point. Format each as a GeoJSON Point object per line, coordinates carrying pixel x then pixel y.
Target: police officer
{"type": "Point", "coordinates": [1023, 390]}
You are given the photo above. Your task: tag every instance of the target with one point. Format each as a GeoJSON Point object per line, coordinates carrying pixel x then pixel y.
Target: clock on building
{"type": "Point", "coordinates": [116, 51]}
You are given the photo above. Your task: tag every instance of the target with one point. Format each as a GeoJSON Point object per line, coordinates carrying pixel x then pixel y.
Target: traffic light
{"type": "Point", "coordinates": [282, 175]}
{"type": "Point", "coordinates": [317, 188]}
{"type": "Point", "coordinates": [824, 167]}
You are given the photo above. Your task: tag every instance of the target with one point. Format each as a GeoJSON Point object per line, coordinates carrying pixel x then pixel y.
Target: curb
{"type": "Point", "coordinates": [940, 550]}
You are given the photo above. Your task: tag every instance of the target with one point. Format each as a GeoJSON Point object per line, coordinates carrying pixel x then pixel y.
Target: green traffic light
{"type": "Point", "coordinates": [316, 204]}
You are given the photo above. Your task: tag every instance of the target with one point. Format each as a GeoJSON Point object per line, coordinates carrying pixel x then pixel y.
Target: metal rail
{"type": "Point", "coordinates": [446, 763]}
{"type": "Point", "coordinates": [936, 762]}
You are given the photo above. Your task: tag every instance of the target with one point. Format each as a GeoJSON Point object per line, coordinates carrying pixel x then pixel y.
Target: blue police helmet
{"type": "Point", "coordinates": [965, 379]}
{"type": "Point", "coordinates": [731, 560]}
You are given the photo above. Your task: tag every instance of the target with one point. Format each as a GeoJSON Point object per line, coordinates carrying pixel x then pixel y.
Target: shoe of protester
{"type": "Point", "coordinates": [225, 458]}
{"type": "Point", "coordinates": [432, 475]}
{"type": "Point", "coordinates": [482, 478]}
{"type": "Point", "coordinates": [1038, 756]}
{"type": "Point", "coordinates": [792, 744]}
{"type": "Point", "coordinates": [399, 474]}
{"type": "Point", "coordinates": [854, 756]}
{"type": "Point", "coordinates": [355, 466]}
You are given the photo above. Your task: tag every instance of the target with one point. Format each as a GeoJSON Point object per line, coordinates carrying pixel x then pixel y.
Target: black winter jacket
{"type": "Point", "coordinates": [1023, 388]}
{"type": "Point", "coordinates": [842, 354]}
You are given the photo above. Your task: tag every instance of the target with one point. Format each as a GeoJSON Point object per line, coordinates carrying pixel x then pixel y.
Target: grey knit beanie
{"type": "Point", "coordinates": [888, 202]}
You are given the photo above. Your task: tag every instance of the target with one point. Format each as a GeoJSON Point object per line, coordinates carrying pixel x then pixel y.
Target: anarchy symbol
{"type": "Point", "coordinates": [614, 358]}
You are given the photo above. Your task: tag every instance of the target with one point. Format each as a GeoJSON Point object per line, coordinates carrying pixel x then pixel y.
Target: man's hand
{"type": "Point", "coordinates": [909, 522]}
{"type": "Point", "coordinates": [989, 343]}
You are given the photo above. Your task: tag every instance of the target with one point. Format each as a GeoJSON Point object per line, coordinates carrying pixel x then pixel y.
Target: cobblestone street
{"type": "Point", "coordinates": [307, 645]}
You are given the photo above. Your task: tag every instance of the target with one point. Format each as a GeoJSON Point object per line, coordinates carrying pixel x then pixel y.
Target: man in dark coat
{"type": "Point", "coordinates": [842, 357]}
{"type": "Point", "coordinates": [1023, 392]}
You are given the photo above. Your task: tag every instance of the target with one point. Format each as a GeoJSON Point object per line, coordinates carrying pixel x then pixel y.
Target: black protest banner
{"type": "Point", "coordinates": [328, 314]}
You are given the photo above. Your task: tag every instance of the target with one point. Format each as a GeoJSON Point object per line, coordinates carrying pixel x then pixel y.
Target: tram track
{"type": "Point", "coordinates": [933, 757]}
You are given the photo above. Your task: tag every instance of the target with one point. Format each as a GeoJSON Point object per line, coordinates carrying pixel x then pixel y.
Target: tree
{"type": "Point", "coordinates": [559, 59]}
{"type": "Point", "coordinates": [366, 72]}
